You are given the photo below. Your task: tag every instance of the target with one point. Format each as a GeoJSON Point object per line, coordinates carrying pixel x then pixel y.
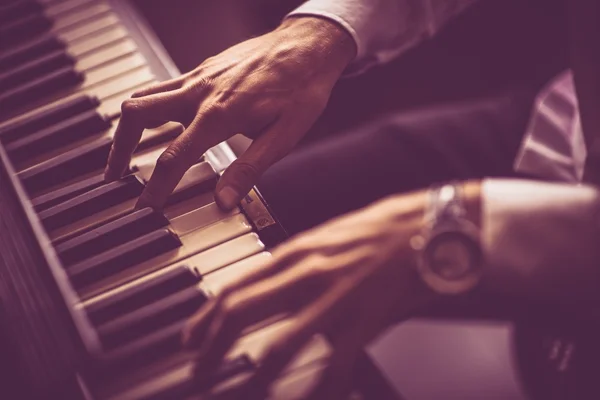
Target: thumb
{"type": "Point", "coordinates": [239, 178]}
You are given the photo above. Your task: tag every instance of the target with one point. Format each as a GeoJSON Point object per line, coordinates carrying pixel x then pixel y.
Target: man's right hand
{"type": "Point", "coordinates": [271, 88]}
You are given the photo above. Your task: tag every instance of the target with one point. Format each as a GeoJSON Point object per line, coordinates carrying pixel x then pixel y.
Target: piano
{"type": "Point", "coordinates": [93, 295]}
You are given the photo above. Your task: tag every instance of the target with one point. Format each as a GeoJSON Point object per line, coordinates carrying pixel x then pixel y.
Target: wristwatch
{"type": "Point", "coordinates": [449, 256]}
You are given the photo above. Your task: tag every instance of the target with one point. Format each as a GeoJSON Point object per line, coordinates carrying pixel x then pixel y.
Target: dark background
{"type": "Point", "coordinates": [496, 45]}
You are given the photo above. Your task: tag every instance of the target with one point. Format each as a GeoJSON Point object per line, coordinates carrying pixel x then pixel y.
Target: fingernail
{"type": "Point", "coordinates": [228, 197]}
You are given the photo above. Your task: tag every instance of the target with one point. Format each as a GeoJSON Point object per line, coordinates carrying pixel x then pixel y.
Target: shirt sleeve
{"type": "Point", "coordinates": [541, 242]}
{"type": "Point", "coordinates": [384, 29]}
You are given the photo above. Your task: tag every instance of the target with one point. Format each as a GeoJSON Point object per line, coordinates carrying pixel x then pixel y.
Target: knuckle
{"type": "Point", "coordinates": [319, 265]}
{"type": "Point", "coordinates": [194, 86]}
{"type": "Point", "coordinates": [129, 107]}
{"type": "Point", "coordinates": [168, 159]}
{"type": "Point", "coordinates": [247, 170]}
{"type": "Point", "coordinates": [228, 311]}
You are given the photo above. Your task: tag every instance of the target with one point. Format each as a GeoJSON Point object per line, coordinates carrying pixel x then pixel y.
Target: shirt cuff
{"type": "Point", "coordinates": [348, 14]}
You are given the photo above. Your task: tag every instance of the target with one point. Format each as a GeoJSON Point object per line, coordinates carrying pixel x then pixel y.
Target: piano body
{"type": "Point", "coordinates": [93, 295]}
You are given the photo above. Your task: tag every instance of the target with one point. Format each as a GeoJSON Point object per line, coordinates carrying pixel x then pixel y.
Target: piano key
{"type": "Point", "coordinates": [150, 317]}
{"type": "Point", "coordinates": [97, 78]}
{"type": "Point", "coordinates": [227, 253]}
{"type": "Point", "coordinates": [151, 138]}
{"type": "Point", "coordinates": [32, 69]}
{"type": "Point", "coordinates": [200, 218]}
{"type": "Point", "coordinates": [35, 58]}
{"type": "Point", "coordinates": [103, 38]}
{"type": "Point", "coordinates": [105, 55]}
{"type": "Point", "coordinates": [24, 28]}
{"type": "Point", "coordinates": [18, 10]}
{"type": "Point", "coordinates": [47, 84]}
{"type": "Point", "coordinates": [166, 342]}
{"type": "Point", "coordinates": [91, 202]}
{"type": "Point", "coordinates": [199, 178]}
{"type": "Point", "coordinates": [65, 193]}
{"type": "Point", "coordinates": [29, 51]}
{"type": "Point", "coordinates": [126, 74]}
{"type": "Point", "coordinates": [122, 257]}
{"type": "Point", "coordinates": [20, 127]}
{"type": "Point", "coordinates": [179, 381]}
{"type": "Point", "coordinates": [154, 346]}
{"type": "Point", "coordinates": [68, 131]}
{"type": "Point", "coordinates": [81, 32]}
{"type": "Point", "coordinates": [77, 163]}
{"type": "Point", "coordinates": [173, 211]}
{"type": "Point", "coordinates": [139, 293]}
{"type": "Point", "coordinates": [216, 281]}
{"type": "Point", "coordinates": [247, 248]}
{"type": "Point", "coordinates": [92, 220]}
{"type": "Point", "coordinates": [191, 244]}
{"type": "Point", "coordinates": [80, 16]}
{"type": "Point", "coordinates": [56, 9]}
{"type": "Point", "coordinates": [112, 234]}
{"type": "Point", "coordinates": [85, 161]}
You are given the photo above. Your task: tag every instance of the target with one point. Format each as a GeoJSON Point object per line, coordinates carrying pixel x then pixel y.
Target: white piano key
{"type": "Point", "coordinates": [80, 32]}
{"type": "Point", "coordinates": [81, 16]}
{"type": "Point", "coordinates": [112, 35]}
{"type": "Point", "coordinates": [216, 281]}
{"type": "Point", "coordinates": [105, 55]}
{"type": "Point", "coordinates": [199, 218]}
{"type": "Point", "coordinates": [55, 10]}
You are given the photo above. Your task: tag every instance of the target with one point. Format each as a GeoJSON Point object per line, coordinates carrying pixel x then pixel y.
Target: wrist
{"type": "Point", "coordinates": [323, 39]}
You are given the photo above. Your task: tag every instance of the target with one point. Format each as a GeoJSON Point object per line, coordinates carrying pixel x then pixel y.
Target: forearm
{"type": "Point", "coordinates": [542, 246]}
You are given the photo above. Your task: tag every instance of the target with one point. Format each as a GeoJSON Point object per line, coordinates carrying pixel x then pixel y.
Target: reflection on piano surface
{"type": "Point", "coordinates": [94, 294]}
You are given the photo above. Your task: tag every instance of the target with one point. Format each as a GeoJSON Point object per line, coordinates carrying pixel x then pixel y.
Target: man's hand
{"type": "Point", "coordinates": [271, 88]}
{"type": "Point", "coordinates": [349, 279]}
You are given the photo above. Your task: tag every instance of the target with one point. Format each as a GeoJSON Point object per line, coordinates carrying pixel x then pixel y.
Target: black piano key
{"type": "Point", "coordinates": [199, 178]}
{"type": "Point", "coordinates": [18, 10]}
{"type": "Point", "coordinates": [151, 317]}
{"type": "Point", "coordinates": [23, 28]}
{"type": "Point", "coordinates": [91, 202]}
{"type": "Point", "coordinates": [154, 346]}
{"type": "Point", "coordinates": [141, 294]}
{"type": "Point", "coordinates": [61, 134]}
{"type": "Point", "coordinates": [110, 235]}
{"type": "Point", "coordinates": [150, 140]}
{"type": "Point", "coordinates": [29, 51]}
{"type": "Point", "coordinates": [190, 384]}
{"type": "Point", "coordinates": [122, 257]}
{"type": "Point", "coordinates": [68, 192]}
{"type": "Point", "coordinates": [46, 117]}
{"type": "Point", "coordinates": [39, 88]}
{"type": "Point", "coordinates": [20, 74]}
{"type": "Point", "coordinates": [77, 162]}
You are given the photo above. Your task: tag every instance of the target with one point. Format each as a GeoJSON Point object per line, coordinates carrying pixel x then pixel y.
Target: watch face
{"type": "Point", "coordinates": [451, 258]}
{"type": "Point", "coordinates": [451, 262]}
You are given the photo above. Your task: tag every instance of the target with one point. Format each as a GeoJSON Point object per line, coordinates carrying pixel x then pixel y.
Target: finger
{"type": "Point", "coordinates": [196, 328]}
{"type": "Point", "coordinates": [166, 86]}
{"type": "Point", "coordinates": [282, 293]}
{"type": "Point", "coordinates": [202, 134]}
{"type": "Point", "coordinates": [137, 115]}
{"type": "Point", "coordinates": [362, 321]}
{"type": "Point", "coordinates": [335, 381]}
{"type": "Point", "coordinates": [243, 173]}
{"type": "Point", "coordinates": [310, 321]}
